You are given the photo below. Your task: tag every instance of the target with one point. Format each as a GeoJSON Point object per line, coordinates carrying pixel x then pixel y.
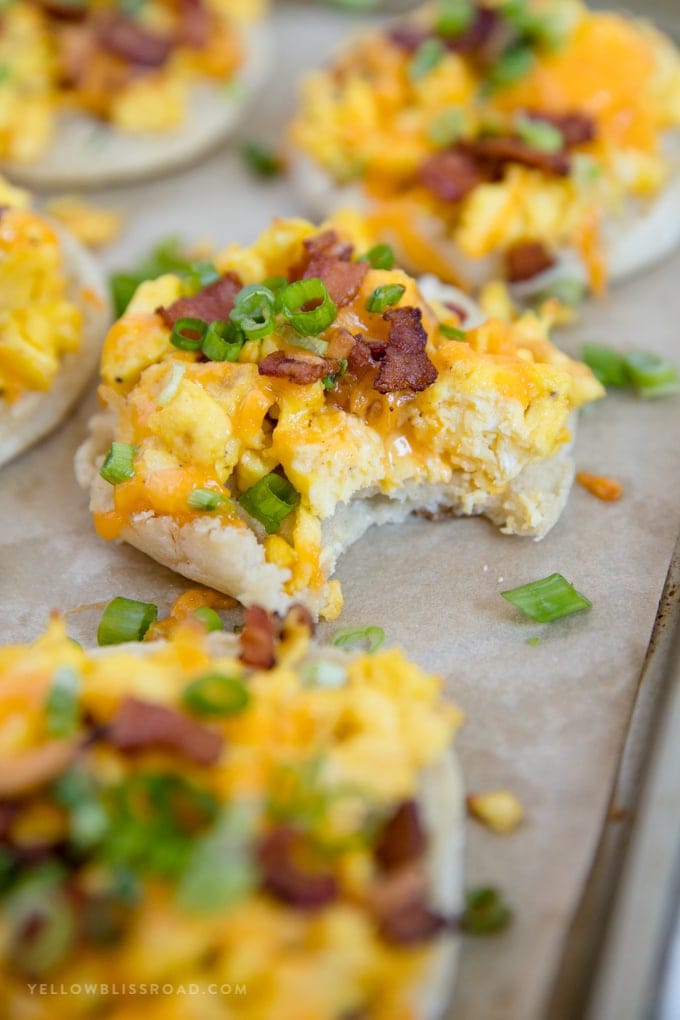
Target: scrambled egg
{"type": "Point", "coordinates": [372, 120]}
{"type": "Point", "coordinates": [51, 65]}
{"type": "Point", "coordinates": [501, 400]}
{"type": "Point", "coordinates": [38, 322]}
{"type": "Point", "coordinates": [333, 762]}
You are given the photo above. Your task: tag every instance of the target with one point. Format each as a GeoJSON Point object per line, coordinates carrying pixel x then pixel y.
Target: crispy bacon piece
{"type": "Point", "coordinates": [194, 23]}
{"type": "Point", "coordinates": [576, 128]}
{"type": "Point", "coordinates": [398, 902]}
{"type": "Point", "coordinates": [402, 839]}
{"type": "Point", "coordinates": [405, 366]}
{"type": "Point", "coordinates": [299, 616]}
{"type": "Point", "coordinates": [258, 638]}
{"type": "Point", "coordinates": [62, 10]}
{"type": "Point", "coordinates": [126, 39]}
{"type": "Point", "coordinates": [493, 153]}
{"type": "Point", "coordinates": [360, 359]}
{"type": "Point", "coordinates": [342, 279]}
{"type": "Point", "coordinates": [298, 368]}
{"type": "Point", "coordinates": [485, 39]}
{"type": "Point", "coordinates": [450, 175]}
{"type": "Point", "coordinates": [328, 257]}
{"type": "Point", "coordinates": [283, 878]}
{"type": "Point", "coordinates": [527, 259]}
{"type": "Point", "coordinates": [139, 725]}
{"type": "Point", "coordinates": [408, 36]}
{"type": "Point", "coordinates": [212, 303]}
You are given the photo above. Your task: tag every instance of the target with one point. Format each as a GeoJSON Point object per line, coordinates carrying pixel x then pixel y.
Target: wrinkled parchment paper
{"type": "Point", "coordinates": [547, 720]}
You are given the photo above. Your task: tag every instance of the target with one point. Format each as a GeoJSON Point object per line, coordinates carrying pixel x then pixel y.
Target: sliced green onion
{"type": "Point", "coordinates": [205, 499]}
{"type": "Point", "coordinates": [453, 17]}
{"type": "Point", "coordinates": [512, 65]}
{"type": "Point", "coordinates": [275, 283]}
{"type": "Point", "coordinates": [485, 911]}
{"type": "Point", "coordinates": [606, 364]}
{"type": "Point", "coordinates": [166, 257]}
{"type": "Point", "coordinates": [253, 311]}
{"type": "Point", "coordinates": [347, 636]}
{"type": "Point", "coordinates": [539, 134]}
{"type": "Point", "coordinates": [446, 128]}
{"type": "Point", "coordinates": [296, 296]}
{"type": "Point", "coordinates": [223, 341]}
{"type": "Point", "coordinates": [545, 28]}
{"type": "Point", "coordinates": [652, 375]}
{"type": "Point", "coordinates": [548, 599]}
{"type": "Point", "coordinates": [125, 620]}
{"type": "Point", "coordinates": [215, 694]}
{"type": "Point", "coordinates": [428, 56]}
{"type": "Point", "coordinates": [198, 276]}
{"type": "Point", "coordinates": [384, 297]}
{"type": "Point", "coordinates": [323, 674]}
{"type": "Point", "coordinates": [220, 870]}
{"type": "Point", "coordinates": [41, 922]}
{"type": "Point", "coordinates": [62, 713]}
{"type": "Point", "coordinates": [176, 376]}
{"type": "Point", "coordinates": [88, 820]}
{"type": "Point", "coordinates": [187, 334]}
{"type": "Point", "coordinates": [209, 618]}
{"type": "Point", "coordinates": [261, 159]}
{"type": "Point", "coordinates": [270, 501]}
{"type": "Point", "coordinates": [310, 343]}
{"type": "Point", "coordinates": [568, 290]}
{"type": "Point", "coordinates": [329, 381]}
{"type": "Point", "coordinates": [452, 332]}
{"type": "Point", "coordinates": [123, 287]}
{"type": "Point", "coordinates": [119, 463]}
{"type": "Point", "coordinates": [381, 256]}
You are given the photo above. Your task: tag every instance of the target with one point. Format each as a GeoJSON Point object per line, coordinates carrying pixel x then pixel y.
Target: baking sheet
{"type": "Point", "coordinates": [547, 720]}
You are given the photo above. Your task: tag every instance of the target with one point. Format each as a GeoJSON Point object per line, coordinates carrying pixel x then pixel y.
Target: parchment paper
{"type": "Point", "coordinates": [547, 721]}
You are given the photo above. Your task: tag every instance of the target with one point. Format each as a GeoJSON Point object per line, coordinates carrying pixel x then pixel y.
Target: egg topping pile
{"type": "Point", "coordinates": [131, 64]}
{"type": "Point", "coordinates": [39, 323]}
{"type": "Point", "coordinates": [508, 122]}
{"type": "Point", "coordinates": [173, 816]}
{"type": "Point", "coordinates": [308, 394]}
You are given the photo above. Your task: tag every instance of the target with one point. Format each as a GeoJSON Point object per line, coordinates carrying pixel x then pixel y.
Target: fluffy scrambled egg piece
{"type": "Point", "coordinates": [134, 68]}
{"type": "Point", "coordinates": [501, 400]}
{"type": "Point", "coordinates": [93, 225]}
{"type": "Point", "coordinates": [166, 868]}
{"type": "Point", "coordinates": [39, 324]}
{"type": "Point", "coordinates": [382, 110]}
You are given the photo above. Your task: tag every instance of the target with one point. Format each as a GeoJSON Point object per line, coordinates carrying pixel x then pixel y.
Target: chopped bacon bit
{"type": "Point", "coordinates": [19, 774]}
{"type": "Point", "coordinates": [576, 128]}
{"type": "Point", "coordinates": [194, 23]}
{"type": "Point", "coordinates": [299, 616]}
{"type": "Point", "coordinates": [402, 839]}
{"type": "Point", "coordinates": [493, 153]}
{"type": "Point", "coordinates": [284, 879]}
{"type": "Point", "coordinates": [399, 904]}
{"type": "Point", "coordinates": [527, 259]}
{"type": "Point", "coordinates": [606, 489]}
{"type": "Point", "coordinates": [258, 638]}
{"type": "Point", "coordinates": [450, 175]}
{"type": "Point", "coordinates": [328, 244]}
{"type": "Point", "coordinates": [486, 38]}
{"type": "Point", "coordinates": [342, 279]}
{"type": "Point", "coordinates": [298, 368]}
{"type": "Point", "coordinates": [405, 366]}
{"type": "Point", "coordinates": [328, 258]}
{"type": "Point", "coordinates": [212, 303]}
{"type": "Point", "coordinates": [139, 725]}
{"type": "Point", "coordinates": [63, 10]}
{"type": "Point", "coordinates": [125, 38]}
{"type": "Point", "coordinates": [8, 813]}
{"type": "Point", "coordinates": [360, 358]}
{"type": "Point", "coordinates": [408, 36]}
